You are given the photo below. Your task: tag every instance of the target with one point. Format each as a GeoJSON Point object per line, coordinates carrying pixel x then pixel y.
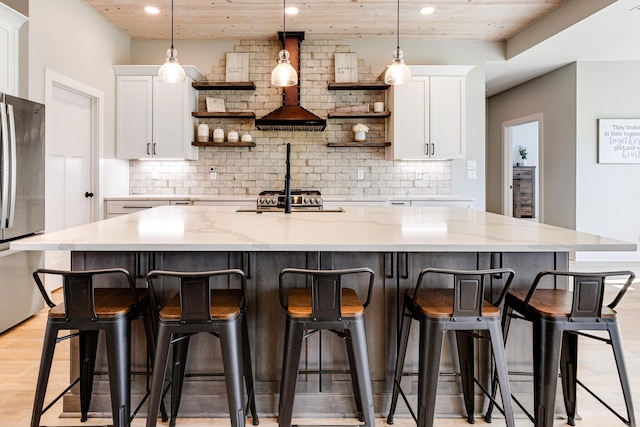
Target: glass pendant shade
{"type": "Point", "coordinates": [284, 74]}
{"type": "Point", "coordinates": [398, 72]}
{"type": "Point", "coordinates": [171, 71]}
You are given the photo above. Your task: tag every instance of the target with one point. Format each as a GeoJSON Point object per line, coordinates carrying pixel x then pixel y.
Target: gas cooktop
{"type": "Point", "coordinates": [308, 199]}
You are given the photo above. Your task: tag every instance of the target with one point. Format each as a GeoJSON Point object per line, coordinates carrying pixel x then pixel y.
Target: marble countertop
{"type": "Point", "coordinates": [357, 229]}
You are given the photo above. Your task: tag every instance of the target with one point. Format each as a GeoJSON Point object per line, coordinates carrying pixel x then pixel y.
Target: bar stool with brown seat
{"type": "Point", "coordinates": [86, 310]}
{"type": "Point", "coordinates": [205, 302]}
{"type": "Point", "coordinates": [559, 314]}
{"type": "Point", "coordinates": [325, 305]}
{"type": "Point", "coordinates": [460, 307]}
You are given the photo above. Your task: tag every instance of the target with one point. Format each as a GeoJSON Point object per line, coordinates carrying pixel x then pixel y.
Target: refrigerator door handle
{"type": "Point", "coordinates": [4, 190]}
{"type": "Point", "coordinates": [13, 160]}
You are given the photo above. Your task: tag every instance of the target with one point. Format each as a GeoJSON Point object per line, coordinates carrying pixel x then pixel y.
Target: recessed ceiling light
{"type": "Point", "coordinates": [152, 10]}
{"type": "Point", "coordinates": [292, 10]}
{"type": "Point", "coordinates": [427, 10]}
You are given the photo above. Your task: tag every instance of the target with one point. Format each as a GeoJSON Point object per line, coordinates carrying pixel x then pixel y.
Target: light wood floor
{"type": "Point", "coordinates": [20, 357]}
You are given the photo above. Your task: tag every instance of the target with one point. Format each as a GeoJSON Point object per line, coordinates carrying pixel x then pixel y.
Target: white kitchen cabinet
{"type": "Point", "coordinates": [10, 23]}
{"type": "Point", "coordinates": [428, 114]}
{"type": "Point", "coordinates": [243, 203]}
{"type": "Point", "coordinates": [154, 118]}
{"type": "Point", "coordinates": [117, 207]}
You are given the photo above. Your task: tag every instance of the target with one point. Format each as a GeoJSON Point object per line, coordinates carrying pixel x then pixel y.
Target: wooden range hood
{"type": "Point", "coordinates": [291, 116]}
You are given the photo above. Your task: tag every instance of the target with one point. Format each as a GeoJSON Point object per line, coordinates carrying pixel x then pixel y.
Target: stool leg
{"type": "Point", "coordinates": [354, 377]}
{"type": "Point", "coordinates": [180, 350]}
{"type": "Point", "coordinates": [118, 342]}
{"type": "Point", "coordinates": [431, 338]}
{"type": "Point", "coordinates": [159, 368]}
{"type": "Point", "coordinates": [569, 374]}
{"type": "Point", "coordinates": [361, 359]}
{"type": "Point", "coordinates": [150, 333]}
{"type": "Point", "coordinates": [547, 338]}
{"type": "Point", "coordinates": [402, 351]}
{"type": "Point", "coordinates": [467, 371]}
{"type": "Point", "coordinates": [48, 347]}
{"type": "Point", "coordinates": [248, 370]}
{"type": "Point", "coordinates": [506, 322]}
{"type": "Point", "coordinates": [497, 346]}
{"type": "Point", "coordinates": [616, 344]}
{"type": "Point", "coordinates": [293, 337]}
{"type": "Point", "coordinates": [88, 348]}
{"type": "Point", "coordinates": [231, 345]}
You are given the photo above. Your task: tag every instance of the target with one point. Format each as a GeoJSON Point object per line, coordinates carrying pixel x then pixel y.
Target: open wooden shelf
{"type": "Point", "coordinates": [207, 85]}
{"type": "Point", "coordinates": [358, 144]}
{"type": "Point", "coordinates": [358, 115]}
{"type": "Point", "coordinates": [358, 86]}
{"type": "Point", "coordinates": [225, 115]}
{"type": "Point", "coordinates": [223, 144]}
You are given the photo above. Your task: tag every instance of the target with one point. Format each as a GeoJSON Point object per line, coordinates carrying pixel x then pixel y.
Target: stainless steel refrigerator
{"type": "Point", "coordinates": [21, 205]}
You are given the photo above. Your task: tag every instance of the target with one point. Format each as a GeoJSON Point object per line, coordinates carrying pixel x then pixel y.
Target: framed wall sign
{"type": "Point", "coordinates": [237, 67]}
{"type": "Point", "coordinates": [618, 140]}
{"type": "Point", "coordinates": [346, 67]}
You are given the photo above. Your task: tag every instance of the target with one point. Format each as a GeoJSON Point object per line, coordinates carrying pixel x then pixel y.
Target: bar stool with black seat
{"type": "Point", "coordinates": [325, 305]}
{"type": "Point", "coordinates": [559, 317]}
{"type": "Point", "coordinates": [461, 308]}
{"type": "Point", "coordinates": [86, 310]}
{"type": "Point", "coordinates": [205, 302]}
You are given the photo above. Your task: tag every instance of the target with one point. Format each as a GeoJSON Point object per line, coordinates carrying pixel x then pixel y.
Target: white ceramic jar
{"type": "Point", "coordinates": [246, 138]}
{"type": "Point", "coordinates": [232, 136]}
{"type": "Point", "coordinates": [203, 132]}
{"type": "Point", "coordinates": [218, 135]}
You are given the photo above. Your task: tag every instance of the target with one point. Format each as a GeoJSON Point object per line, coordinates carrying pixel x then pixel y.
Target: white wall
{"type": "Point", "coordinates": [607, 199]}
{"type": "Point", "coordinates": [554, 96]}
{"type": "Point", "coordinates": [70, 38]}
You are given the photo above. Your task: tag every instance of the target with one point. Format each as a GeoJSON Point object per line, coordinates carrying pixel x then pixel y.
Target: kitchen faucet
{"type": "Point", "coordinates": [287, 182]}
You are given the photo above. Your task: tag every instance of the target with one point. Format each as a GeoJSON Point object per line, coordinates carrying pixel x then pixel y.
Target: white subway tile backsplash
{"type": "Point", "coordinates": [243, 171]}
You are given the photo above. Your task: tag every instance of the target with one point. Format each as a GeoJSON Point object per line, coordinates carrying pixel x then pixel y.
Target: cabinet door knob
{"type": "Point", "coordinates": [88, 194]}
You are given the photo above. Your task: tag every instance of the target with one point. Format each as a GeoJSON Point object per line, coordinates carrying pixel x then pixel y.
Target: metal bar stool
{"type": "Point", "coordinates": [558, 317]}
{"type": "Point", "coordinates": [87, 310]}
{"type": "Point", "coordinates": [461, 308]}
{"type": "Point", "coordinates": [199, 307]}
{"type": "Point", "coordinates": [325, 305]}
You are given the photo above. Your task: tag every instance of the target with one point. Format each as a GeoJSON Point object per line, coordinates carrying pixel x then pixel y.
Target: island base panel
{"type": "Point", "coordinates": [395, 272]}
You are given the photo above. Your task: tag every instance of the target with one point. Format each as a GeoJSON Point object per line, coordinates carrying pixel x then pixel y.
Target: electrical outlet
{"type": "Point", "coordinates": [213, 174]}
{"type": "Point", "coordinates": [418, 176]}
{"type": "Point", "coordinates": [471, 165]}
{"type": "Point", "coordinates": [360, 174]}
{"type": "Point", "coordinates": [471, 174]}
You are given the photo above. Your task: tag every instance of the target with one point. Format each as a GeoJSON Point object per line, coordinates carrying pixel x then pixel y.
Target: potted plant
{"type": "Point", "coordinates": [523, 154]}
{"type": "Point", "coordinates": [360, 131]}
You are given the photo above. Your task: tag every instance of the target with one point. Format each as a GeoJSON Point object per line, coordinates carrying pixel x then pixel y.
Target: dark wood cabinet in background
{"type": "Point", "coordinates": [524, 192]}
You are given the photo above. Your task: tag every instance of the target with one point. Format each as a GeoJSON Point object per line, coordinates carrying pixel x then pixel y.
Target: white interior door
{"type": "Point", "coordinates": [71, 159]}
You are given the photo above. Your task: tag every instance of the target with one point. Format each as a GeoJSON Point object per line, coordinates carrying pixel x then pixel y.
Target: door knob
{"type": "Point", "coordinates": [87, 194]}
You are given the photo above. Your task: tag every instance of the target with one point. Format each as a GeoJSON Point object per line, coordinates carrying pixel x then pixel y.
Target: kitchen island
{"type": "Point", "coordinates": [395, 242]}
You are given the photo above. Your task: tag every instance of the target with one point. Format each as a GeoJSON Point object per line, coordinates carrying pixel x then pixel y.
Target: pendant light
{"type": "Point", "coordinates": [398, 72]}
{"type": "Point", "coordinates": [284, 74]}
{"type": "Point", "coordinates": [171, 71]}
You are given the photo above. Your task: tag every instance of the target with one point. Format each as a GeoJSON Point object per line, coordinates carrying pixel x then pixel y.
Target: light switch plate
{"type": "Point", "coordinates": [471, 165]}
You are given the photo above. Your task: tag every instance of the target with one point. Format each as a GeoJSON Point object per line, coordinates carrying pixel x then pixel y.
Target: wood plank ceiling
{"type": "Point", "coordinates": [486, 20]}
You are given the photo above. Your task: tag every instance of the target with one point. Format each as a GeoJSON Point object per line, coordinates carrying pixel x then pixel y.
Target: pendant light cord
{"type": "Point", "coordinates": [284, 23]}
{"type": "Point", "coordinates": [172, 28]}
{"type": "Point", "coordinates": [397, 26]}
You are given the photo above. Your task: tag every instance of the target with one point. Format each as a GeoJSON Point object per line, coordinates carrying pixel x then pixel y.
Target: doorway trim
{"type": "Point", "coordinates": [507, 167]}
{"type": "Point", "coordinates": [53, 80]}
